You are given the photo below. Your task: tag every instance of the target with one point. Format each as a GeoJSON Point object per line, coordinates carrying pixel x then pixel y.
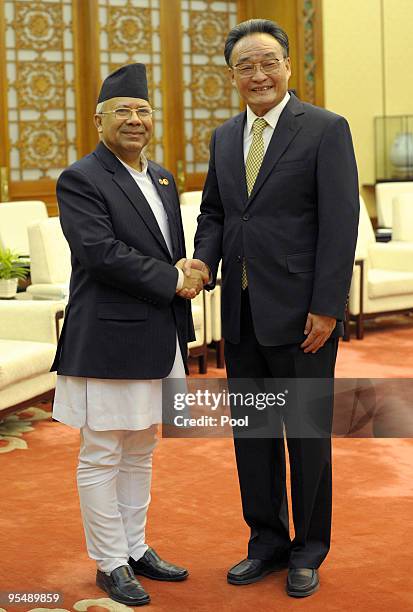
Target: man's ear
{"type": "Point", "coordinates": [98, 122]}
{"type": "Point", "coordinates": [288, 65]}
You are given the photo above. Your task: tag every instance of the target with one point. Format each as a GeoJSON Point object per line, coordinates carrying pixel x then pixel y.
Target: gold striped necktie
{"type": "Point", "coordinates": [252, 167]}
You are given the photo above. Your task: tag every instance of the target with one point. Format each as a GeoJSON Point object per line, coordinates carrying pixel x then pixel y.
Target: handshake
{"type": "Point", "coordinates": [196, 275]}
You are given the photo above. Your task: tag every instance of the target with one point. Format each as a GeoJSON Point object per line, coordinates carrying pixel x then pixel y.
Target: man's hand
{"type": "Point", "coordinates": [194, 280]}
{"type": "Point", "coordinates": [197, 264]}
{"type": "Point", "coordinates": [318, 329]}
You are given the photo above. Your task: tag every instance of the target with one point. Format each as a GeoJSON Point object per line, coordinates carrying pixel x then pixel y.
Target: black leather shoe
{"type": "Point", "coordinates": [152, 566]}
{"type": "Point", "coordinates": [302, 582]}
{"type": "Point", "coordinates": [123, 587]}
{"type": "Point", "coordinates": [252, 570]}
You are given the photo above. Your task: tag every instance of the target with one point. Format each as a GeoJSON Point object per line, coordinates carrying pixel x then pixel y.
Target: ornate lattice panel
{"type": "Point", "coordinates": [308, 16]}
{"type": "Point", "coordinates": [41, 100]}
{"type": "Point", "coordinates": [209, 98]}
{"type": "Point", "coordinates": [130, 32]}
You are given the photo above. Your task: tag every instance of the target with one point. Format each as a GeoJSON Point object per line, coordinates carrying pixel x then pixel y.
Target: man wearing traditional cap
{"type": "Point", "coordinates": [126, 327]}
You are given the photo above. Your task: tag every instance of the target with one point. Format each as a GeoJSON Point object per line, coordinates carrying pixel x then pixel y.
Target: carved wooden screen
{"type": "Point", "coordinates": [130, 32]}
{"type": "Point", "coordinates": [40, 120]}
{"type": "Point", "coordinates": [209, 98]}
{"type": "Point", "coordinates": [54, 55]}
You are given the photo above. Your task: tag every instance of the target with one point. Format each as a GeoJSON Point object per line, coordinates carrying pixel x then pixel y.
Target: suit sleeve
{"type": "Point", "coordinates": [338, 212]}
{"type": "Point", "coordinates": [208, 237]}
{"type": "Point", "coordinates": [87, 227]}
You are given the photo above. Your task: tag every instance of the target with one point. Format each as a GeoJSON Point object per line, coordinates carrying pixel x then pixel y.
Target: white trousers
{"type": "Point", "coordinates": [114, 481]}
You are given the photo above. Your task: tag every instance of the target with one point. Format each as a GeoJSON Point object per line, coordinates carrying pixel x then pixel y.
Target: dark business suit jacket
{"type": "Point", "coordinates": [297, 231]}
{"type": "Point", "coordinates": [123, 314]}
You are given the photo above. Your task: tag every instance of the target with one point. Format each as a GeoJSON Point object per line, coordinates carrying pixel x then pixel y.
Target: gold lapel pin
{"type": "Point", "coordinates": [164, 181]}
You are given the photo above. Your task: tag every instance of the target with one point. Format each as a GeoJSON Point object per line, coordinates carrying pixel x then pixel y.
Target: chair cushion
{"type": "Point", "coordinates": [384, 283]}
{"type": "Point", "coordinates": [49, 252]}
{"type": "Point", "coordinates": [197, 317]}
{"type": "Point", "coordinates": [20, 359]}
{"type": "Point", "coordinates": [385, 192]}
{"type": "Point", "coordinates": [26, 389]}
{"type": "Point", "coordinates": [403, 217]}
{"type": "Point", "coordinates": [15, 217]}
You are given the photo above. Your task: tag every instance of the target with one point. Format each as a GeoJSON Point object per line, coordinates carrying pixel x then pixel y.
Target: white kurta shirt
{"type": "Point", "coordinates": [106, 404]}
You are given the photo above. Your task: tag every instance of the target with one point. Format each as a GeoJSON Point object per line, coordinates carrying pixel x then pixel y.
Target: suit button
{"type": "Point", "coordinates": [245, 217]}
{"type": "Point", "coordinates": [238, 257]}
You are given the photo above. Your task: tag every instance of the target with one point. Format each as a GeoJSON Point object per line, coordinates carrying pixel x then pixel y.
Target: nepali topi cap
{"type": "Point", "coordinates": [127, 82]}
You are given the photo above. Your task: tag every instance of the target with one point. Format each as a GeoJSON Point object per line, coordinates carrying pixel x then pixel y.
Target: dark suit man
{"type": "Point", "coordinates": [280, 208]}
{"type": "Point", "coordinates": [126, 327]}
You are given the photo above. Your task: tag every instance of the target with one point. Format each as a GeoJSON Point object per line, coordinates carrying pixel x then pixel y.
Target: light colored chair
{"type": "Point", "coordinates": [382, 281]}
{"type": "Point", "coordinates": [15, 217]}
{"type": "Point", "coordinates": [403, 217]}
{"type": "Point", "coordinates": [190, 209]}
{"type": "Point", "coordinates": [28, 337]}
{"type": "Point", "coordinates": [201, 305]}
{"type": "Point", "coordinates": [50, 261]}
{"type": "Point", "coordinates": [191, 197]}
{"type": "Point", "coordinates": [385, 193]}
{"type": "Point", "coordinates": [198, 348]}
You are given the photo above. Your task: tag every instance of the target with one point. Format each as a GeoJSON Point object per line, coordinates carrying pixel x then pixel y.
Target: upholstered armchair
{"type": "Point", "coordinates": [403, 217]}
{"type": "Point", "coordinates": [50, 261]}
{"type": "Point", "coordinates": [385, 194]}
{"type": "Point", "coordinates": [201, 305]}
{"type": "Point", "coordinates": [28, 336]}
{"type": "Point", "coordinates": [382, 281]}
{"type": "Point", "coordinates": [15, 217]}
{"type": "Point", "coordinates": [190, 207]}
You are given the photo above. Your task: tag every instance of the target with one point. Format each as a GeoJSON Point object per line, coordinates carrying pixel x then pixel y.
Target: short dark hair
{"type": "Point", "coordinates": [255, 26]}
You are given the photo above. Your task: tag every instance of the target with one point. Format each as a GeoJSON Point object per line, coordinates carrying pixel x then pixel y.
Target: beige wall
{"type": "Point", "coordinates": [398, 38]}
{"type": "Point", "coordinates": [353, 70]}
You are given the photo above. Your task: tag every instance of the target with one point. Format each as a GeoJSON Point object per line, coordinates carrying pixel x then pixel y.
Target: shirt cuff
{"type": "Point", "coordinates": [181, 278]}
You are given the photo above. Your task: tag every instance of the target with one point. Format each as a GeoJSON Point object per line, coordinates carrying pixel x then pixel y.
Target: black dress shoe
{"type": "Point", "coordinates": [302, 582]}
{"type": "Point", "coordinates": [152, 566]}
{"type": "Point", "coordinates": [122, 586]}
{"type": "Point", "coordinates": [252, 570]}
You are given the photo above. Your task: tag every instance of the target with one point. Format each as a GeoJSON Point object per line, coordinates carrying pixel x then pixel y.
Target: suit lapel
{"type": "Point", "coordinates": [164, 191]}
{"type": "Point", "coordinates": [233, 161]}
{"type": "Point", "coordinates": [285, 131]}
{"type": "Point", "coordinates": [131, 190]}
{"type": "Point", "coordinates": [124, 180]}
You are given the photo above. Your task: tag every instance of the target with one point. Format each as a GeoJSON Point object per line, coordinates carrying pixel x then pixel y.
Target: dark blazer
{"type": "Point", "coordinates": [123, 314]}
{"type": "Point", "coordinates": [297, 230]}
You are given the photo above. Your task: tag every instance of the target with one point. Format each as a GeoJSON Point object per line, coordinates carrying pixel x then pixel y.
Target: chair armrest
{"type": "Point", "coordinates": [392, 255]}
{"type": "Point", "coordinates": [36, 321]}
{"type": "Point", "coordinates": [362, 251]}
{"type": "Point", "coordinates": [355, 302]}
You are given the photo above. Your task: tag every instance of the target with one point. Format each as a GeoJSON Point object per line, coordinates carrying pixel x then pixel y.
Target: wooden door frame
{"type": "Point", "coordinates": [4, 136]}
{"type": "Point", "coordinates": [87, 82]}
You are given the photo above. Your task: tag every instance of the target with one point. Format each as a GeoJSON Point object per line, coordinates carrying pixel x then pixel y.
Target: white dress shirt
{"type": "Point", "coordinates": [144, 182]}
{"type": "Point", "coordinates": [107, 404]}
{"type": "Point", "coordinates": [271, 118]}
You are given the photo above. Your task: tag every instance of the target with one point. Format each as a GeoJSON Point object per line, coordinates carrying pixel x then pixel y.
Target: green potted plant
{"type": "Point", "coordinates": [11, 270]}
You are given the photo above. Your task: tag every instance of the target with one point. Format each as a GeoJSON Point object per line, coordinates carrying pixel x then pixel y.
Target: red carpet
{"type": "Point", "coordinates": [195, 517]}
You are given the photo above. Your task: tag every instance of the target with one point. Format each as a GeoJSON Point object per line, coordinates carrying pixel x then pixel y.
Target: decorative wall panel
{"type": "Point", "coordinates": [130, 32]}
{"type": "Point", "coordinates": [40, 74]}
{"type": "Point", "coordinates": [308, 16]}
{"type": "Point", "coordinates": [209, 98]}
